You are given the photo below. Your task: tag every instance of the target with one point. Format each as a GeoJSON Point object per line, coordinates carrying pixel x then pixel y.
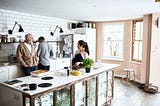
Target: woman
{"type": "Point", "coordinates": [81, 53]}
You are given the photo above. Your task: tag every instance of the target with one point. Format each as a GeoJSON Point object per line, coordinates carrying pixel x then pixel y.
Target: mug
{"type": "Point", "coordinates": [32, 86]}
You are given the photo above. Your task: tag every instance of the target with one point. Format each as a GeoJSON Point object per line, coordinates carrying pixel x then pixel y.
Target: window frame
{"type": "Point", "coordinates": [133, 39]}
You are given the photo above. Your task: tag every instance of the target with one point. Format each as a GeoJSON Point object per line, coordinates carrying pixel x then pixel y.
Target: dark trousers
{"type": "Point", "coordinates": [27, 70]}
{"type": "Point", "coordinates": [40, 66]}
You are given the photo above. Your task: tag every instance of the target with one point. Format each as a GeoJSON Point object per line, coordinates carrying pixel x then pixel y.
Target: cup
{"type": "Point", "coordinates": [32, 86]}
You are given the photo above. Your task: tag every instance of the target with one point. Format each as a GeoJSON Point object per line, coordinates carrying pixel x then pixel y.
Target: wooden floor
{"type": "Point", "coordinates": [131, 95]}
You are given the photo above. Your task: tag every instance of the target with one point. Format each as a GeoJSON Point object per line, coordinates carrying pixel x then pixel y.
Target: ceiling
{"type": "Point", "coordinates": [84, 10]}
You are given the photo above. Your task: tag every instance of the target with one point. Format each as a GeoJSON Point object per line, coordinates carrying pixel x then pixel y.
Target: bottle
{"type": "Point", "coordinates": [68, 71]}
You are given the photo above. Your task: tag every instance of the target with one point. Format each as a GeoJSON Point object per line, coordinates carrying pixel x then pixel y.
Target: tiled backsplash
{"type": "Point", "coordinates": [34, 24]}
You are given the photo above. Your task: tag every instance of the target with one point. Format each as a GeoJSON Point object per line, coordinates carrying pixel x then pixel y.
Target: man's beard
{"type": "Point", "coordinates": [30, 42]}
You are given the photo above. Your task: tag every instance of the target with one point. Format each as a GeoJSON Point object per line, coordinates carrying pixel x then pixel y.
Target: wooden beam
{"type": "Point", "coordinates": [157, 0]}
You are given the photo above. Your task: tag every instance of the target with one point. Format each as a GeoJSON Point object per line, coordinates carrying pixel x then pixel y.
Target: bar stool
{"type": "Point", "coordinates": [127, 74]}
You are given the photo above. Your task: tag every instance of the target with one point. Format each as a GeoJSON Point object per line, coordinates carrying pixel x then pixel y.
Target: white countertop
{"type": "Point", "coordinates": [60, 78]}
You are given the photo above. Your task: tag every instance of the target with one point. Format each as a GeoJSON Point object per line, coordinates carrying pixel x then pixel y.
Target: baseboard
{"type": "Point", "coordinates": [119, 77]}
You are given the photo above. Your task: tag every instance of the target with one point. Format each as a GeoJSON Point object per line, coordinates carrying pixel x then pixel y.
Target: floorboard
{"type": "Point", "coordinates": [131, 95]}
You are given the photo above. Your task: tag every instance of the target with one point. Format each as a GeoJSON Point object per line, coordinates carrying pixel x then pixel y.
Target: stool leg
{"type": "Point", "coordinates": [127, 78]}
{"type": "Point", "coordinates": [134, 75]}
{"type": "Point", "coordinates": [122, 76]}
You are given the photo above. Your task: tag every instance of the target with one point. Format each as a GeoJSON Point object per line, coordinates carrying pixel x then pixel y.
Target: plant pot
{"type": "Point", "coordinates": [88, 70]}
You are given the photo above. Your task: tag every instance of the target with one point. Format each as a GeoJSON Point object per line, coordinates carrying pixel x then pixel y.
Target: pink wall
{"type": "Point", "coordinates": [127, 48]}
{"type": "Point", "coordinates": [149, 70]}
{"type": "Point", "coordinates": [146, 48]}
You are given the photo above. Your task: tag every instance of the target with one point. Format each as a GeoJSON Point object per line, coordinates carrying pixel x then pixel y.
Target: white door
{"type": "Point", "coordinates": [3, 74]}
{"type": "Point", "coordinates": [14, 72]}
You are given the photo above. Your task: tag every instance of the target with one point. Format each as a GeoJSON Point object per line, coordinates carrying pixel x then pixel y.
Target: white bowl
{"type": "Point", "coordinates": [5, 63]}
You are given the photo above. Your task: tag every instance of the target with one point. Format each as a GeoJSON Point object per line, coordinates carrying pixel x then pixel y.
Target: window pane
{"type": "Point", "coordinates": [139, 30]}
{"type": "Point", "coordinates": [137, 40]}
{"type": "Point", "coordinates": [137, 50]}
{"type": "Point", "coordinates": [113, 40]}
{"type": "Point", "coordinates": [135, 54]}
{"type": "Point", "coordinates": [140, 50]}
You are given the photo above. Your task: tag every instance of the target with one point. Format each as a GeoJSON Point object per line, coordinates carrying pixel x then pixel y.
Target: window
{"type": "Point", "coordinates": [113, 41]}
{"type": "Point", "coordinates": [137, 35]}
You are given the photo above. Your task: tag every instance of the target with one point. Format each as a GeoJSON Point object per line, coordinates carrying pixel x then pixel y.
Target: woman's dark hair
{"type": "Point", "coordinates": [84, 45]}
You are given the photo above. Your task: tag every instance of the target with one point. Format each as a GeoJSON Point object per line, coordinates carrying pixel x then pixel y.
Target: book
{"type": "Point", "coordinates": [12, 82]}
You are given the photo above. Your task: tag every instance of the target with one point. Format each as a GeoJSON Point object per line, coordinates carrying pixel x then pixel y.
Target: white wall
{"type": "Point", "coordinates": [154, 77]}
{"type": "Point", "coordinates": [34, 24]}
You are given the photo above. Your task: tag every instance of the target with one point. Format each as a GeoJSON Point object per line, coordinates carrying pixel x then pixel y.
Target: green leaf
{"type": "Point", "coordinates": [88, 62]}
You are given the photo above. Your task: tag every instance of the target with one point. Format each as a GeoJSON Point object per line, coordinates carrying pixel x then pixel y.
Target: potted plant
{"type": "Point", "coordinates": [87, 64]}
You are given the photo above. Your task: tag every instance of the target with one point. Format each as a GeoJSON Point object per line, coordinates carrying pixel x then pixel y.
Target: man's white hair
{"type": "Point", "coordinates": [27, 35]}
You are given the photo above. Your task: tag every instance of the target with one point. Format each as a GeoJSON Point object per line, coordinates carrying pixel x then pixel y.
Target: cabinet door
{"type": "Point", "coordinates": [44, 100]}
{"type": "Point", "coordinates": [91, 90]}
{"type": "Point", "coordinates": [105, 89]}
{"type": "Point", "coordinates": [80, 94]}
{"type": "Point", "coordinates": [14, 72]}
{"type": "Point", "coordinates": [3, 74]}
{"type": "Point", "coordinates": [109, 85]}
{"type": "Point", "coordinates": [102, 89]}
{"type": "Point", "coordinates": [63, 97]}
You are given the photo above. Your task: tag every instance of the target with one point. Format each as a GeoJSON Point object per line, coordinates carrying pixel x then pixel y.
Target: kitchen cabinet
{"type": "Point", "coordinates": [105, 88]}
{"type": "Point", "coordinates": [10, 72]}
{"type": "Point", "coordinates": [43, 100]}
{"type": "Point", "coordinates": [14, 71]}
{"type": "Point", "coordinates": [89, 89]}
{"type": "Point", "coordinates": [102, 89]}
{"type": "Point", "coordinates": [80, 93]}
{"type": "Point", "coordinates": [3, 74]}
{"type": "Point", "coordinates": [110, 83]}
{"type": "Point", "coordinates": [63, 96]}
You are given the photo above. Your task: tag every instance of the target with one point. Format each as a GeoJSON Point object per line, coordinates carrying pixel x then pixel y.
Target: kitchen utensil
{"type": "Point", "coordinates": [44, 85]}
{"type": "Point", "coordinates": [47, 78]}
{"type": "Point", "coordinates": [32, 86]}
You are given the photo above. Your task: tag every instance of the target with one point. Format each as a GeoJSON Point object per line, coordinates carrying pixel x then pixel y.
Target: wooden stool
{"type": "Point", "coordinates": [128, 72]}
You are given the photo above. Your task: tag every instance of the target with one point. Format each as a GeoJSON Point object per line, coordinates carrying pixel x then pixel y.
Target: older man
{"type": "Point", "coordinates": [26, 55]}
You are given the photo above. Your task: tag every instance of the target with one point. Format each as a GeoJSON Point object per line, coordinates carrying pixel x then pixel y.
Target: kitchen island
{"type": "Point", "coordinates": [89, 89]}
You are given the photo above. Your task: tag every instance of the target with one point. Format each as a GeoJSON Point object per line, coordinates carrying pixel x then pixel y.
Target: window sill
{"type": "Point", "coordinates": [134, 62]}
{"type": "Point", "coordinates": [113, 59]}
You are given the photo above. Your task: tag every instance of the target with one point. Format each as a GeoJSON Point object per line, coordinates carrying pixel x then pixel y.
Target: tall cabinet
{"type": "Point", "coordinates": [89, 36]}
